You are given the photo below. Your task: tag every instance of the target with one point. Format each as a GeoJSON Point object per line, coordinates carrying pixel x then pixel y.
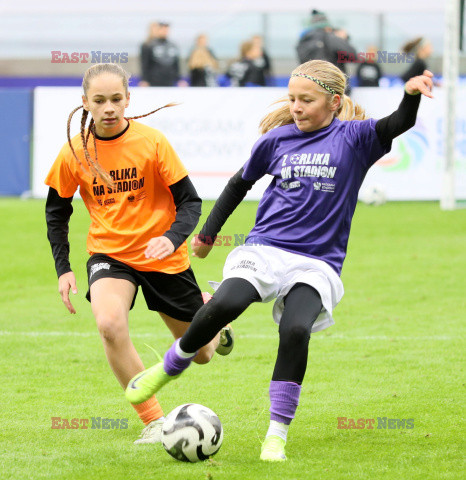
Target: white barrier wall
{"type": "Point", "coordinates": [214, 129]}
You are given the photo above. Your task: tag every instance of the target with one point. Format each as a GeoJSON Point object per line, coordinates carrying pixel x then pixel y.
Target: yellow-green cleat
{"type": "Point", "coordinates": [227, 341]}
{"type": "Point", "coordinates": [273, 449]}
{"type": "Point", "coordinates": [143, 385]}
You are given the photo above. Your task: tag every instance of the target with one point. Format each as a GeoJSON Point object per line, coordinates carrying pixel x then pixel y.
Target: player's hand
{"type": "Point", "coordinates": [67, 282]}
{"type": "Point", "coordinates": [159, 248]}
{"type": "Point", "coordinates": [420, 84]}
{"type": "Point", "coordinates": [200, 249]}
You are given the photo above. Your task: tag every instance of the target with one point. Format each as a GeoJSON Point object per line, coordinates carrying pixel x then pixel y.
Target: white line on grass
{"type": "Point", "coordinates": [253, 336]}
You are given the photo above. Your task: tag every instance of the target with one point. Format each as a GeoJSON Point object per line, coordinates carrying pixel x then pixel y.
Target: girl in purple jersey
{"type": "Point", "coordinates": [318, 148]}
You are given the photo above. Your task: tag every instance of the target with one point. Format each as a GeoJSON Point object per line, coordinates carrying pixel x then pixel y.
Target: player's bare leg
{"type": "Point", "coordinates": [111, 300]}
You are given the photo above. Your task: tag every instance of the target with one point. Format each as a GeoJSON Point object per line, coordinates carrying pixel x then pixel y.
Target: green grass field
{"type": "Point", "coordinates": [396, 351]}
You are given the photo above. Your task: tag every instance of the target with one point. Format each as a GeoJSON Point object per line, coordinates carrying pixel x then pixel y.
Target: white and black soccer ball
{"type": "Point", "coordinates": [373, 195]}
{"type": "Point", "coordinates": [192, 433]}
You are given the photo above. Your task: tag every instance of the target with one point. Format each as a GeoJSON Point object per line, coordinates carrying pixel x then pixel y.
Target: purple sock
{"type": "Point", "coordinates": [173, 364]}
{"type": "Point", "coordinates": [284, 399]}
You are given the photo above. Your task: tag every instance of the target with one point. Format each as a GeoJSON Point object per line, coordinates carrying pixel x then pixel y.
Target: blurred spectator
{"type": "Point", "coordinates": [160, 65]}
{"type": "Point", "coordinates": [422, 50]}
{"type": "Point", "coordinates": [245, 71]}
{"type": "Point", "coordinates": [322, 42]}
{"type": "Point", "coordinates": [202, 64]}
{"type": "Point", "coordinates": [369, 72]}
{"type": "Point", "coordinates": [264, 60]}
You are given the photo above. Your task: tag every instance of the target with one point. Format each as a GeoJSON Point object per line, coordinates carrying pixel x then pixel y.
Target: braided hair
{"type": "Point", "coordinates": [96, 169]}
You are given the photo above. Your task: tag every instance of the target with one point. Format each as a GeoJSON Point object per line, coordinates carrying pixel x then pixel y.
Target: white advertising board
{"type": "Point", "coordinates": [214, 129]}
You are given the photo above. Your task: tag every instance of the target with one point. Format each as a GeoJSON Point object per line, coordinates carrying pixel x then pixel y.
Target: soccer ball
{"type": "Point", "coordinates": [192, 433]}
{"type": "Point", "coordinates": [373, 195]}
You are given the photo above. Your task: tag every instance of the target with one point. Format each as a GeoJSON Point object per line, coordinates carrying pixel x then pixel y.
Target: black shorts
{"type": "Point", "coordinates": [175, 294]}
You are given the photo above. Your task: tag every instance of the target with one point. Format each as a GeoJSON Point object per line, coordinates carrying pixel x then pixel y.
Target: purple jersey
{"type": "Point", "coordinates": [308, 206]}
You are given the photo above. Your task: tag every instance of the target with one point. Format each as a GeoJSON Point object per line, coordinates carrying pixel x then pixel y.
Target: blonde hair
{"type": "Point", "coordinates": [91, 73]}
{"type": "Point", "coordinates": [332, 77]}
{"type": "Point", "coordinates": [245, 48]}
{"type": "Point", "coordinates": [201, 58]}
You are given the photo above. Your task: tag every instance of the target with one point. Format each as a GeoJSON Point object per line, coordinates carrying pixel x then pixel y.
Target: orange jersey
{"type": "Point", "coordinates": [143, 165]}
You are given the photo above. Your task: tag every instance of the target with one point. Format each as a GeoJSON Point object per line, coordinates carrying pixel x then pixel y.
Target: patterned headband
{"type": "Point", "coordinates": [316, 80]}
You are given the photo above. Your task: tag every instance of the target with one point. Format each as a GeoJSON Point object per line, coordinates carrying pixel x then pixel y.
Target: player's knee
{"type": "Point", "coordinates": [295, 335]}
{"type": "Point", "coordinates": [111, 328]}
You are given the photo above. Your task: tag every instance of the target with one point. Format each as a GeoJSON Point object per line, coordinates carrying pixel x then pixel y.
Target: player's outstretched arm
{"type": "Point", "coordinates": [422, 84]}
{"type": "Point", "coordinates": [404, 117]}
{"type": "Point", "coordinates": [232, 195]}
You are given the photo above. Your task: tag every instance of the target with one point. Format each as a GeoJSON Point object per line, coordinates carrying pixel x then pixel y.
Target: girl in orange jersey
{"type": "Point", "coordinates": [143, 207]}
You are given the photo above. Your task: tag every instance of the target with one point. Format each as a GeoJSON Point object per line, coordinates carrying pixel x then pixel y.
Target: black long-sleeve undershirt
{"type": "Point", "coordinates": [386, 128]}
{"type": "Point", "coordinates": [401, 120]}
{"type": "Point", "coordinates": [188, 210]}
{"type": "Point", "coordinates": [58, 211]}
